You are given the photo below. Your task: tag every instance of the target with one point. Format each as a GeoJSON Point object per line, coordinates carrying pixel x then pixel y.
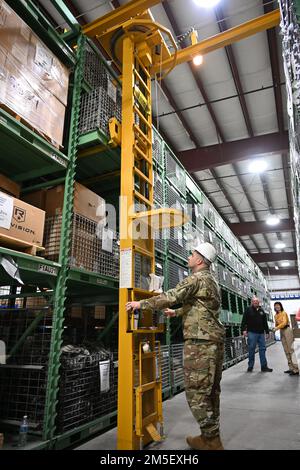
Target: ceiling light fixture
{"type": "Point", "coordinates": [257, 166]}
{"type": "Point", "coordinates": [273, 220]}
{"type": "Point", "coordinates": [276, 267]}
{"type": "Point", "coordinates": [206, 3]}
{"type": "Point", "coordinates": [280, 245]}
{"type": "Point", "coordinates": [285, 264]}
{"type": "Point", "coordinates": [198, 60]}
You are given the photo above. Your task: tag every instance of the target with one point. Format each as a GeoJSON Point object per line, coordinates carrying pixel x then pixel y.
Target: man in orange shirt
{"type": "Point", "coordinates": [282, 324]}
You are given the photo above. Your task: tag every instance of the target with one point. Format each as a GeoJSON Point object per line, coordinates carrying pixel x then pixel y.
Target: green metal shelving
{"type": "Point", "coordinates": [21, 148]}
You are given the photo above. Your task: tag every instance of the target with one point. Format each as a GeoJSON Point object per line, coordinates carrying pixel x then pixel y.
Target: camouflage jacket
{"type": "Point", "coordinates": [199, 295]}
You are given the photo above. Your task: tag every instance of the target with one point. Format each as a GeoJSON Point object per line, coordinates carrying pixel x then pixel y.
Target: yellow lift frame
{"type": "Point", "coordinates": [137, 47]}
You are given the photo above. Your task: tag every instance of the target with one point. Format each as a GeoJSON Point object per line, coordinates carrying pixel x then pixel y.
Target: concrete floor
{"type": "Point", "coordinates": [258, 410]}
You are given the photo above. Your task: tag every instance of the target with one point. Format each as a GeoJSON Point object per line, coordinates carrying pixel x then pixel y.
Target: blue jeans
{"type": "Point", "coordinates": [253, 339]}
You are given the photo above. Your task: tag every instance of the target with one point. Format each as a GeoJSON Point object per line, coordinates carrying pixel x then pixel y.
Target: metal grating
{"type": "Point", "coordinates": [174, 172]}
{"type": "Point", "coordinates": [97, 107]}
{"type": "Point", "coordinates": [165, 366]}
{"type": "Point", "coordinates": [157, 148]}
{"type": "Point", "coordinates": [174, 199]}
{"type": "Point", "coordinates": [142, 269]}
{"type": "Point", "coordinates": [158, 189]}
{"type": "Point", "coordinates": [177, 243]}
{"type": "Point", "coordinates": [80, 397]}
{"type": "Point", "coordinates": [87, 249]}
{"type": "Point", "coordinates": [95, 72]}
{"type": "Point", "coordinates": [23, 378]}
{"type": "Point", "coordinates": [176, 273]}
{"type": "Point", "coordinates": [177, 365]}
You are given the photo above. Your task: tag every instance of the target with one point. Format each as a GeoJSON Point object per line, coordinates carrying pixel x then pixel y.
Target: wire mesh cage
{"type": "Point", "coordinates": [158, 188]}
{"type": "Point", "coordinates": [178, 242]}
{"type": "Point", "coordinates": [91, 249]}
{"type": "Point", "coordinates": [177, 374]}
{"type": "Point", "coordinates": [142, 269]}
{"type": "Point", "coordinates": [157, 148]}
{"type": "Point", "coordinates": [88, 386]}
{"type": "Point", "coordinates": [94, 71]}
{"type": "Point", "coordinates": [165, 366]}
{"type": "Point", "coordinates": [174, 199]}
{"type": "Point", "coordinates": [174, 172]}
{"type": "Point", "coordinates": [176, 273]}
{"type": "Point", "coordinates": [97, 107]}
{"type": "Point", "coordinates": [26, 333]}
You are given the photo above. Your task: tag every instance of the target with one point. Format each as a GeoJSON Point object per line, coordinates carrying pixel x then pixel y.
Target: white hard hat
{"type": "Point", "coordinates": [207, 250]}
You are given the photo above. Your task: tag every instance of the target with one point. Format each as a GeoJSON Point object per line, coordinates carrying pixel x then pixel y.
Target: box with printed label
{"type": "Point", "coordinates": [20, 221]}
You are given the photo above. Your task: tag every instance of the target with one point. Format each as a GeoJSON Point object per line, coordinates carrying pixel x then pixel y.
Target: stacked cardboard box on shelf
{"type": "Point", "coordinates": [88, 209]}
{"type": "Point", "coordinates": [19, 221]}
{"type": "Point", "coordinates": [33, 82]}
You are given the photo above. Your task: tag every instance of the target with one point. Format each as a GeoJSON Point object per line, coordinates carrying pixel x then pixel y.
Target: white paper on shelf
{"type": "Point", "coordinates": [104, 367]}
{"type": "Point", "coordinates": [6, 210]}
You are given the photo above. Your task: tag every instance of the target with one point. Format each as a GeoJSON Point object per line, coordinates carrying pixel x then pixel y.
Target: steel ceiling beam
{"type": "Point", "coordinates": [220, 135]}
{"type": "Point", "coordinates": [252, 228]}
{"type": "Point", "coordinates": [222, 24]}
{"type": "Point", "coordinates": [230, 152]}
{"type": "Point", "coordinates": [280, 272]}
{"type": "Point", "coordinates": [195, 72]}
{"type": "Point", "coordinates": [268, 257]}
{"type": "Point", "coordinates": [273, 51]}
{"type": "Point", "coordinates": [179, 113]}
{"type": "Point", "coordinates": [274, 54]}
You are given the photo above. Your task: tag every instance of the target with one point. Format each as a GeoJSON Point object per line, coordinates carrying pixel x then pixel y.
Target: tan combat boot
{"type": "Point", "coordinates": [205, 443]}
{"type": "Point", "coordinates": [196, 442]}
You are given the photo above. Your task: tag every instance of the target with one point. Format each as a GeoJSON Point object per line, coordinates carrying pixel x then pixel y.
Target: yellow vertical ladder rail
{"type": "Point", "coordinates": [139, 408]}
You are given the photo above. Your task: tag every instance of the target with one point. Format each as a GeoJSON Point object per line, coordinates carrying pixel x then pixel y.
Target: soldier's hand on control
{"type": "Point", "coordinates": [245, 333]}
{"type": "Point", "coordinates": [133, 306]}
{"type": "Point", "coordinates": [169, 312]}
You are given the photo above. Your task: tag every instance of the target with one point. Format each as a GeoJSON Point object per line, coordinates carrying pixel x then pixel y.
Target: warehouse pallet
{"type": "Point", "coordinates": [20, 119]}
{"type": "Point", "coordinates": [20, 245]}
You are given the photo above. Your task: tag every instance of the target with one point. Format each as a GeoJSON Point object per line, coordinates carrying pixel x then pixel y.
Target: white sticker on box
{"type": "Point", "coordinates": [104, 367]}
{"type": "Point", "coordinates": [43, 58]}
{"type": "Point", "coordinates": [126, 268]}
{"type": "Point", "coordinates": [6, 210]}
{"type": "Point", "coordinates": [112, 91]}
{"type": "Point", "coordinates": [107, 240]}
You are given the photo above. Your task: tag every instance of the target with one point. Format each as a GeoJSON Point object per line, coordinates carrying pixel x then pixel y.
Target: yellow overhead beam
{"type": "Point", "coordinates": [118, 16]}
{"type": "Point", "coordinates": [218, 41]}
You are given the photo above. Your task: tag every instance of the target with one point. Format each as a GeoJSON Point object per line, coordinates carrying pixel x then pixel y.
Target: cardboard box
{"type": "Point", "coordinates": [9, 186]}
{"type": "Point", "coordinates": [23, 93]}
{"type": "Point", "coordinates": [76, 311]}
{"type": "Point", "coordinates": [86, 202]}
{"type": "Point", "coordinates": [36, 199]}
{"type": "Point", "coordinates": [26, 223]}
{"type": "Point", "coordinates": [23, 44]}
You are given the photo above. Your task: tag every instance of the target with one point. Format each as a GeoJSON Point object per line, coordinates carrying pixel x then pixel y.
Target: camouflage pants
{"type": "Point", "coordinates": [203, 362]}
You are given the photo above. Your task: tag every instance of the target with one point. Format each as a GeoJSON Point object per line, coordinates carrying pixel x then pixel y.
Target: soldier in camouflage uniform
{"type": "Point", "coordinates": [204, 336]}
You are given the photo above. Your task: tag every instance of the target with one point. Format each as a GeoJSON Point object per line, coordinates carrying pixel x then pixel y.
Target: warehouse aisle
{"type": "Point", "coordinates": [258, 410]}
